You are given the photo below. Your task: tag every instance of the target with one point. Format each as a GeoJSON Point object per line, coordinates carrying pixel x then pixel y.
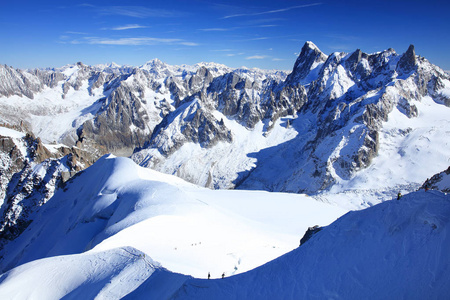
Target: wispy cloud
{"type": "Point", "coordinates": [267, 26]}
{"type": "Point", "coordinates": [133, 41]}
{"type": "Point", "coordinates": [271, 11]}
{"type": "Point", "coordinates": [256, 57]}
{"type": "Point", "coordinates": [76, 32]}
{"type": "Point", "coordinates": [235, 54]}
{"type": "Point", "coordinates": [256, 22]}
{"type": "Point", "coordinates": [277, 59]}
{"type": "Point", "coordinates": [192, 44]}
{"type": "Point", "coordinates": [218, 29]}
{"type": "Point", "coordinates": [128, 26]}
{"type": "Point", "coordinates": [247, 39]}
{"type": "Point", "coordinates": [259, 38]}
{"type": "Point", "coordinates": [137, 11]}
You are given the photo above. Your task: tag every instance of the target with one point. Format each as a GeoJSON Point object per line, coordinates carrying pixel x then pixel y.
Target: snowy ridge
{"type": "Point", "coordinates": [111, 274]}
{"type": "Point", "coordinates": [404, 241]}
{"type": "Point", "coordinates": [393, 250]}
{"type": "Point", "coordinates": [188, 229]}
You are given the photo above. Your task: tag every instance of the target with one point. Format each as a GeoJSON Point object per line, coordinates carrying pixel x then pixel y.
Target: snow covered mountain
{"type": "Point", "coordinates": [120, 231]}
{"type": "Point", "coordinates": [327, 125]}
{"type": "Point", "coordinates": [351, 130]}
{"type": "Point", "coordinates": [336, 122]}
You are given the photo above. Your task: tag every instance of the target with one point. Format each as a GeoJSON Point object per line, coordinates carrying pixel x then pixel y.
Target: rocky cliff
{"type": "Point", "coordinates": [30, 172]}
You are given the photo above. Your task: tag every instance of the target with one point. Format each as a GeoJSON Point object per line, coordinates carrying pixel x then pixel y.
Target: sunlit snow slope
{"type": "Point", "coordinates": [394, 250]}
{"type": "Point", "coordinates": [187, 229]}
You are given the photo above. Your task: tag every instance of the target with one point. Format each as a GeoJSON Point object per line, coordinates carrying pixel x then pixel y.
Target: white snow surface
{"type": "Point", "coordinates": [8, 132]}
{"type": "Point", "coordinates": [394, 250]}
{"type": "Point", "coordinates": [51, 117]}
{"type": "Point", "coordinates": [186, 228]}
{"type": "Point", "coordinates": [107, 275]}
{"type": "Point", "coordinates": [410, 151]}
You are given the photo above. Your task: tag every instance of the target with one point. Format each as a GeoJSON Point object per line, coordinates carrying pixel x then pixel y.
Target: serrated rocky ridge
{"type": "Point", "coordinates": [336, 104]}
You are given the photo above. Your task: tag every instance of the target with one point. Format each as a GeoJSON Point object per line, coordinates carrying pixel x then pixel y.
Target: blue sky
{"type": "Point", "coordinates": [264, 34]}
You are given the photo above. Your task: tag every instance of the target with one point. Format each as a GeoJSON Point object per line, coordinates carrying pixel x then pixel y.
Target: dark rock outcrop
{"type": "Point", "coordinates": [407, 62]}
{"type": "Point", "coordinates": [309, 233]}
{"type": "Point", "coordinates": [440, 182]}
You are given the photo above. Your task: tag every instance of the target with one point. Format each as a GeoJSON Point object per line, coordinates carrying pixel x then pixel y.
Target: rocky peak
{"type": "Point", "coordinates": [153, 64]}
{"type": "Point", "coordinates": [354, 59]}
{"type": "Point", "coordinates": [307, 65]}
{"type": "Point", "coordinates": [408, 61]}
{"type": "Point", "coordinates": [201, 78]}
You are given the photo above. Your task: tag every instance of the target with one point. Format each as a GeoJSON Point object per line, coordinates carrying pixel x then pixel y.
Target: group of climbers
{"type": "Point", "coordinates": [209, 275]}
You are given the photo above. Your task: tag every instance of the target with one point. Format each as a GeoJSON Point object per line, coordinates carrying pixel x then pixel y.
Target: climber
{"type": "Point", "coordinates": [399, 195]}
{"type": "Point", "coordinates": [223, 275]}
{"type": "Point", "coordinates": [209, 275]}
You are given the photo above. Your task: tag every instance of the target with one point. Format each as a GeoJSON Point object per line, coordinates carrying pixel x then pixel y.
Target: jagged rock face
{"type": "Point", "coordinates": [307, 65]}
{"type": "Point", "coordinates": [23, 83]}
{"type": "Point", "coordinates": [11, 162]}
{"type": "Point", "coordinates": [112, 128]}
{"type": "Point", "coordinates": [351, 98]}
{"type": "Point", "coordinates": [336, 103]}
{"type": "Point", "coordinates": [26, 192]}
{"type": "Point", "coordinates": [29, 175]}
{"type": "Point", "coordinates": [407, 62]}
{"type": "Point", "coordinates": [189, 123]}
{"type": "Point", "coordinates": [229, 94]}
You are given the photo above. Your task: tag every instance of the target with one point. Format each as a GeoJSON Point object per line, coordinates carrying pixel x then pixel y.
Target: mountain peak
{"type": "Point", "coordinates": [310, 45]}
{"type": "Point", "coordinates": [114, 65]}
{"type": "Point", "coordinates": [308, 64]}
{"type": "Point", "coordinates": [408, 60]}
{"type": "Point", "coordinates": [154, 62]}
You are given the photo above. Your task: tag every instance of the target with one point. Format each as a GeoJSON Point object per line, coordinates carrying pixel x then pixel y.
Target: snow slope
{"type": "Point", "coordinates": [410, 151]}
{"type": "Point", "coordinates": [188, 229]}
{"type": "Point", "coordinates": [110, 274]}
{"type": "Point", "coordinates": [394, 250]}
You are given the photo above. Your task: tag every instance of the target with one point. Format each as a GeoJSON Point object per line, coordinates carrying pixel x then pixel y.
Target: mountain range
{"type": "Point", "coordinates": [340, 132]}
{"type": "Point", "coordinates": [319, 125]}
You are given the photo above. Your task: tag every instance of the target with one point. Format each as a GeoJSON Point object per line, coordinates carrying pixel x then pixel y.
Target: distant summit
{"type": "Point", "coordinates": [307, 66]}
